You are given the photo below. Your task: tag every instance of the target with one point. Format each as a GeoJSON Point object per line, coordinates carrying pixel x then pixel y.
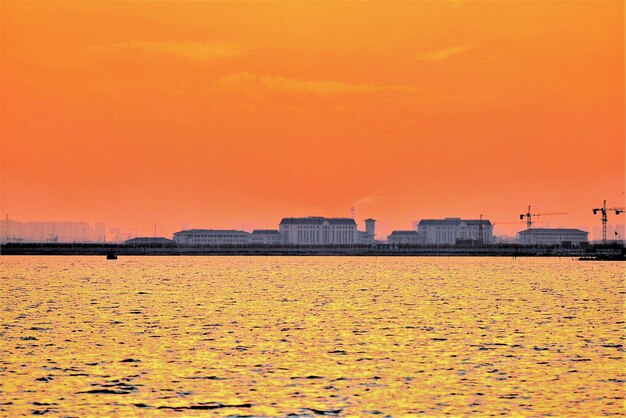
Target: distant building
{"type": "Point", "coordinates": [148, 241]}
{"type": "Point", "coordinates": [317, 230]}
{"type": "Point", "coordinates": [212, 237]}
{"type": "Point", "coordinates": [553, 236]}
{"type": "Point", "coordinates": [265, 237]}
{"type": "Point", "coordinates": [451, 230]}
{"type": "Point", "coordinates": [51, 231]}
{"type": "Point", "coordinates": [367, 237]}
{"type": "Point", "coordinates": [403, 237]}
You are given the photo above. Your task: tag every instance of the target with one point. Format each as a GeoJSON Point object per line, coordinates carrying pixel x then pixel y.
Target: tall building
{"type": "Point", "coordinates": [553, 236]}
{"type": "Point", "coordinates": [51, 231]}
{"type": "Point", "coordinates": [317, 230]}
{"type": "Point", "coordinates": [451, 230]}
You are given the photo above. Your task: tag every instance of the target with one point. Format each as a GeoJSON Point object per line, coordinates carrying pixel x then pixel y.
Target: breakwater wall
{"type": "Point", "coordinates": [286, 250]}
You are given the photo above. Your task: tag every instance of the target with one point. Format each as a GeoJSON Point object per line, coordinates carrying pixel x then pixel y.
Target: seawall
{"type": "Point", "coordinates": [284, 250]}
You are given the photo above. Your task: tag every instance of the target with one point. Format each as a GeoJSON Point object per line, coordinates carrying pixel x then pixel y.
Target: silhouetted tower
{"type": "Point", "coordinates": [604, 211]}
{"type": "Point", "coordinates": [480, 229]}
{"type": "Point", "coordinates": [529, 216]}
{"type": "Point", "coordinates": [370, 226]}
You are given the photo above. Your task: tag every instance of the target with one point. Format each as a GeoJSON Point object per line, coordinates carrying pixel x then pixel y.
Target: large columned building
{"type": "Point", "coordinates": [317, 230]}
{"type": "Point", "coordinates": [451, 230]}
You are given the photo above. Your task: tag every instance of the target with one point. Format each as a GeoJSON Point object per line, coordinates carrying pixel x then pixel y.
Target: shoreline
{"type": "Point", "coordinates": [71, 249]}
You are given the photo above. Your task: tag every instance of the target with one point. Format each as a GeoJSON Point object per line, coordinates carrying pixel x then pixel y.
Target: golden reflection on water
{"type": "Point", "coordinates": [349, 336]}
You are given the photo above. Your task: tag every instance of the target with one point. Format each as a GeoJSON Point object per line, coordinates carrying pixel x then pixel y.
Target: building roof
{"type": "Point", "coordinates": [265, 232]}
{"type": "Point", "coordinates": [454, 221]}
{"type": "Point", "coordinates": [553, 231]}
{"type": "Point", "coordinates": [407, 233]}
{"type": "Point", "coordinates": [370, 219]}
{"type": "Point", "coordinates": [212, 231]}
{"type": "Point", "coordinates": [317, 220]}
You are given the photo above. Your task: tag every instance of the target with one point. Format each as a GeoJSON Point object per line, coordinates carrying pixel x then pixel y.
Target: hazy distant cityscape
{"type": "Point", "coordinates": [306, 230]}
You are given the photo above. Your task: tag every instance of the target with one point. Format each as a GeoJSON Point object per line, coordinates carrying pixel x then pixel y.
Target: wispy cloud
{"type": "Point", "coordinates": [199, 51]}
{"type": "Point", "coordinates": [491, 58]}
{"type": "Point", "coordinates": [443, 54]}
{"type": "Point", "coordinates": [365, 200]}
{"type": "Point", "coordinates": [320, 87]}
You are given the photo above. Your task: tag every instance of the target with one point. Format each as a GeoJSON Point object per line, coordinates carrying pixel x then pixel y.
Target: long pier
{"type": "Point", "coordinates": [503, 250]}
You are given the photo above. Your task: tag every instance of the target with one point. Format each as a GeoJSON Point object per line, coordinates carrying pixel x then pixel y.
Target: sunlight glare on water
{"type": "Point", "coordinates": [270, 336]}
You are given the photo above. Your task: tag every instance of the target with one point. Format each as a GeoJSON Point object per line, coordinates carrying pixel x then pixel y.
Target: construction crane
{"type": "Point", "coordinates": [604, 211]}
{"type": "Point", "coordinates": [518, 223]}
{"type": "Point", "coordinates": [529, 216]}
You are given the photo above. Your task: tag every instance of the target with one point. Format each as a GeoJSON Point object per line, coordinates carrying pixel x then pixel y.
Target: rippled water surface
{"type": "Point", "coordinates": [272, 336]}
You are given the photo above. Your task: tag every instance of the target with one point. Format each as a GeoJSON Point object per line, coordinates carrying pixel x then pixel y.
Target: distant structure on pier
{"type": "Point", "coordinates": [142, 241]}
{"type": "Point", "coordinates": [149, 241]}
{"type": "Point", "coordinates": [553, 236]}
{"type": "Point", "coordinates": [453, 230]}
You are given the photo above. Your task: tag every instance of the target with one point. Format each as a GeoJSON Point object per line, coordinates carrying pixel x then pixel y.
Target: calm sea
{"type": "Point", "coordinates": [272, 336]}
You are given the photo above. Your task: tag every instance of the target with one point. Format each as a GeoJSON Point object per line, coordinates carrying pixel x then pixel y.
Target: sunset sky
{"type": "Point", "coordinates": [235, 114]}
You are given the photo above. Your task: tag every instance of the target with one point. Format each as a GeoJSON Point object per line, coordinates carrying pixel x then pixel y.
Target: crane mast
{"type": "Point", "coordinates": [529, 218]}
{"type": "Point", "coordinates": [604, 211]}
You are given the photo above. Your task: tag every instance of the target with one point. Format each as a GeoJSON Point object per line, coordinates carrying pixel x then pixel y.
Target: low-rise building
{"type": "Point", "coordinates": [318, 230]}
{"type": "Point", "coordinates": [149, 241]}
{"type": "Point", "coordinates": [212, 237]}
{"type": "Point", "coordinates": [403, 237]}
{"type": "Point", "coordinates": [451, 230]}
{"type": "Point", "coordinates": [553, 236]}
{"type": "Point", "coordinates": [265, 237]}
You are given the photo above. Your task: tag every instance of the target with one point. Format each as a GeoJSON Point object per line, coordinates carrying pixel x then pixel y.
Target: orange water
{"type": "Point", "coordinates": [349, 336]}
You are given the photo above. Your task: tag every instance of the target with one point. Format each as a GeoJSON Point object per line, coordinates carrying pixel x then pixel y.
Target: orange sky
{"type": "Point", "coordinates": [233, 115]}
